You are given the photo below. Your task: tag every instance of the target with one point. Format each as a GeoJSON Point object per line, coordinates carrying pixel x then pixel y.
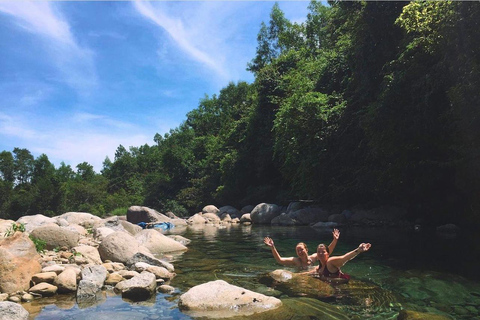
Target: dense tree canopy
{"type": "Point", "coordinates": [363, 104]}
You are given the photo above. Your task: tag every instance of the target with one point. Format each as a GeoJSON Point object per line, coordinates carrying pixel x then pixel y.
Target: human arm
{"type": "Point", "coordinates": [333, 244]}
{"type": "Point", "coordinates": [340, 261]}
{"type": "Point", "coordinates": [284, 261]}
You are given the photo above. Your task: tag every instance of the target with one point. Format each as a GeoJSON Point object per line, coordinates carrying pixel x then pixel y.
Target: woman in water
{"type": "Point", "coordinates": [303, 260]}
{"type": "Point", "coordinates": [329, 268]}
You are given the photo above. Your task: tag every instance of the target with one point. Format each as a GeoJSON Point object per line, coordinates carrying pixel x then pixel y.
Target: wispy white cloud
{"type": "Point", "coordinates": [74, 63]}
{"type": "Point", "coordinates": [12, 127]}
{"type": "Point", "coordinates": [195, 38]}
{"type": "Point", "coordinates": [40, 18]}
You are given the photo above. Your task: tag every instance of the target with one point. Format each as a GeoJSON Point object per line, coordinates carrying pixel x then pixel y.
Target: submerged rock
{"type": "Point", "coordinates": [415, 315]}
{"type": "Point", "coordinates": [298, 285]}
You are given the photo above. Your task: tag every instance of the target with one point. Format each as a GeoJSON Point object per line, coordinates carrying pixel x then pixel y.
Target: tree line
{"type": "Point", "coordinates": [362, 104]}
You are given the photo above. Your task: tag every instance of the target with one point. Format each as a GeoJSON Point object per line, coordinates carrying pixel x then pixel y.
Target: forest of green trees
{"type": "Point", "coordinates": [363, 104]}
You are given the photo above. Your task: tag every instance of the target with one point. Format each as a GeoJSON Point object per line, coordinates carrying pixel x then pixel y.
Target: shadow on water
{"type": "Point", "coordinates": [403, 270]}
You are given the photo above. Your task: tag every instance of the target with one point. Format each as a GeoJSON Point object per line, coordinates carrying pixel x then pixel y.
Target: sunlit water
{"type": "Point", "coordinates": [403, 270]}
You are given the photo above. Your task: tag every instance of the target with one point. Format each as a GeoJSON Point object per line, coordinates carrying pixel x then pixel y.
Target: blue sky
{"type": "Point", "coordinates": [77, 79]}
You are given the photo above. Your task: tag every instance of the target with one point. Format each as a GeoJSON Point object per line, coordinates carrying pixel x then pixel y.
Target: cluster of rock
{"type": "Point", "coordinates": [301, 214]}
{"type": "Point", "coordinates": [308, 214]}
{"type": "Point", "coordinates": [85, 254]}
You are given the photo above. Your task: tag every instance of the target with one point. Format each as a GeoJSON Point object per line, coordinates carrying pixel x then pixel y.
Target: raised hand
{"type": "Point", "coordinates": [364, 247]}
{"type": "Point", "coordinates": [268, 241]}
{"type": "Point", "coordinates": [336, 234]}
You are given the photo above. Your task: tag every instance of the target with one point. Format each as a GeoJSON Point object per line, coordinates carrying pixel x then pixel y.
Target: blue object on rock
{"type": "Point", "coordinates": [161, 225]}
{"type": "Point", "coordinates": [164, 225]}
{"type": "Point", "coordinates": [142, 224]}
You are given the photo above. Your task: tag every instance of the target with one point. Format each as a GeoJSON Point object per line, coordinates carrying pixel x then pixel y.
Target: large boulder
{"type": "Point", "coordinates": [138, 288]}
{"type": "Point", "coordinates": [150, 259]}
{"type": "Point", "coordinates": [136, 214]}
{"type": "Point", "coordinates": [67, 280]}
{"type": "Point", "coordinates": [233, 212]}
{"type": "Point", "coordinates": [210, 209]}
{"type": "Point", "coordinates": [35, 221]}
{"type": "Point", "coordinates": [309, 215]}
{"type": "Point", "coordinates": [379, 216]}
{"type": "Point", "coordinates": [44, 277]}
{"type": "Point", "coordinates": [283, 220]}
{"type": "Point", "coordinates": [118, 224]}
{"type": "Point", "coordinates": [19, 261]}
{"type": "Point", "coordinates": [211, 218]}
{"type": "Point", "coordinates": [118, 247]}
{"type": "Point", "coordinates": [95, 274]}
{"type": "Point", "coordinates": [247, 209]}
{"type": "Point", "coordinates": [197, 219]}
{"type": "Point", "coordinates": [158, 243]}
{"type": "Point", "coordinates": [85, 219]}
{"type": "Point", "coordinates": [101, 233]}
{"type": "Point", "coordinates": [263, 213]}
{"type": "Point", "coordinates": [218, 299]}
{"type": "Point", "coordinates": [246, 218]}
{"type": "Point", "coordinates": [56, 236]}
{"type": "Point", "coordinates": [93, 278]}
{"type": "Point", "coordinates": [89, 253]}
{"type": "Point", "coordinates": [337, 218]}
{"type": "Point", "coordinates": [12, 311]}
{"type": "Point", "coordinates": [44, 289]}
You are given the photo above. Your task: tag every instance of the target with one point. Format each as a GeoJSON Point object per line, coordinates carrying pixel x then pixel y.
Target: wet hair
{"type": "Point", "coordinates": [302, 244]}
{"type": "Point", "coordinates": [323, 245]}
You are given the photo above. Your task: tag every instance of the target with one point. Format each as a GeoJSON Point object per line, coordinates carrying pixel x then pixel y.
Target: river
{"type": "Point", "coordinates": [408, 270]}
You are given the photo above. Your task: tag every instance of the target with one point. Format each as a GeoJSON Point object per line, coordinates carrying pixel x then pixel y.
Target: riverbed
{"type": "Point", "coordinates": [404, 269]}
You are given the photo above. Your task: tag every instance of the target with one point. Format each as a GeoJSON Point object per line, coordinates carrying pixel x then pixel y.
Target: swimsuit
{"type": "Point", "coordinates": [338, 274]}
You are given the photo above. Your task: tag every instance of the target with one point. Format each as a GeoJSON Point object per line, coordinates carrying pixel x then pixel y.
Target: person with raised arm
{"type": "Point", "coordinates": [302, 260]}
{"type": "Point", "coordinates": [329, 268]}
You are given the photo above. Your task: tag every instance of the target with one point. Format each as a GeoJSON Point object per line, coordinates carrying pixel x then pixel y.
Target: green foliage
{"type": "Point", "coordinates": [14, 228]}
{"type": "Point", "coordinates": [175, 207]}
{"type": "Point", "coordinates": [39, 244]}
{"type": "Point", "coordinates": [119, 211]}
{"type": "Point", "coordinates": [364, 103]}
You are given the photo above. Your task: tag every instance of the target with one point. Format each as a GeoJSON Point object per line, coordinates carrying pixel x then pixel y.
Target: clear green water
{"type": "Point", "coordinates": [403, 270]}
